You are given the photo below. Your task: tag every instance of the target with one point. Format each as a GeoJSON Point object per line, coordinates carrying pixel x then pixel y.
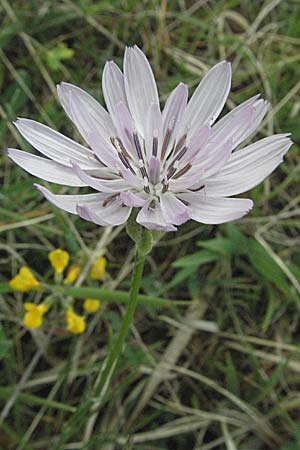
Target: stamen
{"type": "Point", "coordinates": [186, 203]}
{"type": "Point", "coordinates": [174, 165]}
{"type": "Point", "coordinates": [181, 153]}
{"type": "Point", "coordinates": [197, 189]}
{"type": "Point", "coordinates": [123, 155]}
{"type": "Point", "coordinates": [171, 172]}
{"type": "Point", "coordinates": [144, 172]}
{"type": "Point", "coordinates": [182, 171]}
{"type": "Point", "coordinates": [126, 162]}
{"type": "Point", "coordinates": [180, 143]}
{"type": "Point", "coordinates": [138, 146]}
{"type": "Point", "coordinates": [154, 146]}
{"type": "Point", "coordinates": [165, 185]}
{"type": "Point", "coordinates": [146, 186]}
{"type": "Point", "coordinates": [123, 148]}
{"type": "Point", "coordinates": [109, 199]}
{"type": "Point", "coordinates": [165, 143]}
{"type": "Point", "coordinates": [176, 160]}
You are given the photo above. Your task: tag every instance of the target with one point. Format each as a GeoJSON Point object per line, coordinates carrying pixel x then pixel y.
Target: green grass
{"type": "Point", "coordinates": [219, 372]}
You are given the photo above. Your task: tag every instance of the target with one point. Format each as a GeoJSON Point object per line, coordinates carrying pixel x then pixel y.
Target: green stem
{"type": "Point", "coordinates": [102, 294]}
{"type": "Point", "coordinates": [114, 355]}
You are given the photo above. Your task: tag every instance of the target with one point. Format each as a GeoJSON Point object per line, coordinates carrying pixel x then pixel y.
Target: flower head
{"type": "Point", "coordinates": [75, 322]}
{"type": "Point", "coordinates": [34, 316]}
{"type": "Point", "coordinates": [24, 280]}
{"type": "Point", "coordinates": [91, 305]}
{"type": "Point", "coordinates": [173, 164]}
{"type": "Point", "coordinates": [72, 274]}
{"type": "Point", "coordinates": [59, 260]}
{"type": "Point", "coordinates": [98, 271]}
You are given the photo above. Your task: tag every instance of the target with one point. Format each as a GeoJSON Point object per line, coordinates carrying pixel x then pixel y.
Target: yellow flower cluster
{"type": "Point", "coordinates": [91, 305]}
{"type": "Point", "coordinates": [75, 322]}
{"type": "Point", "coordinates": [24, 280]}
{"type": "Point", "coordinates": [72, 274]}
{"type": "Point", "coordinates": [98, 270]}
{"type": "Point", "coordinates": [59, 259]}
{"type": "Point", "coordinates": [34, 316]}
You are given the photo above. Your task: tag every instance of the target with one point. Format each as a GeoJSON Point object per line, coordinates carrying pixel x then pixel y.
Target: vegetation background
{"type": "Point", "coordinates": [221, 372]}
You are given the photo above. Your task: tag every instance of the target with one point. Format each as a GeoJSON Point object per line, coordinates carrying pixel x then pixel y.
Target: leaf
{"type": "Point", "coordinates": [178, 278]}
{"type": "Point", "coordinates": [232, 376]}
{"type": "Point", "coordinates": [58, 54]}
{"type": "Point", "coordinates": [222, 246]}
{"type": "Point", "coordinates": [266, 266]}
{"type": "Point", "coordinates": [197, 259]}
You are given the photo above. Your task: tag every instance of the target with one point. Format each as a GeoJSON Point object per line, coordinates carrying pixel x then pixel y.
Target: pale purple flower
{"type": "Point", "coordinates": [174, 165]}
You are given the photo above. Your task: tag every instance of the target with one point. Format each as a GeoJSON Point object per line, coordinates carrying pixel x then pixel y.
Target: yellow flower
{"type": "Point", "coordinates": [72, 274]}
{"type": "Point", "coordinates": [59, 260]}
{"type": "Point", "coordinates": [34, 315]}
{"type": "Point", "coordinates": [91, 305]}
{"type": "Point", "coordinates": [98, 269]}
{"type": "Point", "coordinates": [24, 280]}
{"type": "Point", "coordinates": [75, 323]}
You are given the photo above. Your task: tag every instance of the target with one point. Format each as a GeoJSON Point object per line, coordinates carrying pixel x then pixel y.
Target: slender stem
{"type": "Point", "coordinates": [105, 295]}
{"type": "Point", "coordinates": [103, 382]}
{"type": "Point", "coordinates": [113, 357]}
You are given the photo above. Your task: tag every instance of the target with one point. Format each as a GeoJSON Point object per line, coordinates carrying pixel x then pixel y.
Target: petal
{"type": "Point", "coordinates": [45, 168]}
{"type": "Point", "coordinates": [55, 145]}
{"type": "Point", "coordinates": [124, 125]}
{"type": "Point", "coordinates": [241, 122]}
{"type": "Point", "coordinates": [153, 131]}
{"type": "Point", "coordinates": [186, 181]}
{"type": "Point", "coordinates": [101, 185]}
{"type": "Point", "coordinates": [173, 210]}
{"type": "Point", "coordinates": [113, 86]}
{"type": "Point", "coordinates": [88, 214]}
{"type": "Point", "coordinates": [69, 202]}
{"type": "Point", "coordinates": [196, 144]}
{"type": "Point", "coordinates": [173, 115]}
{"type": "Point", "coordinates": [114, 213]}
{"type": "Point", "coordinates": [215, 210]}
{"type": "Point", "coordinates": [215, 160]}
{"type": "Point", "coordinates": [223, 121]}
{"type": "Point", "coordinates": [152, 218]}
{"type": "Point", "coordinates": [91, 112]}
{"type": "Point", "coordinates": [88, 124]}
{"type": "Point", "coordinates": [209, 98]}
{"type": "Point", "coordinates": [104, 150]}
{"type": "Point", "coordinates": [131, 199]}
{"type": "Point", "coordinates": [248, 167]}
{"type": "Point", "coordinates": [140, 86]}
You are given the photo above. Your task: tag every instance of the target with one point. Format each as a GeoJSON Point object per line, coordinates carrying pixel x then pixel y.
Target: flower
{"type": "Point", "coordinates": [72, 274]}
{"type": "Point", "coordinates": [174, 165]}
{"type": "Point", "coordinates": [34, 315]}
{"type": "Point", "coordinates": [91, 305]}
{"type": "Point", "coordinates": [97, 271]}
{"type": "Point", "coordinates": [24, 280]}
{"type": "Point", "coordinates": [59, 260]}
{"type": "Point", "coordinates": [75, 322]}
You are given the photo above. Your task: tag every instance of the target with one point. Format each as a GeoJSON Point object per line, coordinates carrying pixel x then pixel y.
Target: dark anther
{"type": "Point", "coordinates": [165, 143]}
{"type": "Point", "coordinates": [109, 199]}
{"type": "Point", "coordinates": [154, 146]}
{"type": "Point", "coordinates": [197, 189]}
{"type": "Point", "coordinates": [182, 171]}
